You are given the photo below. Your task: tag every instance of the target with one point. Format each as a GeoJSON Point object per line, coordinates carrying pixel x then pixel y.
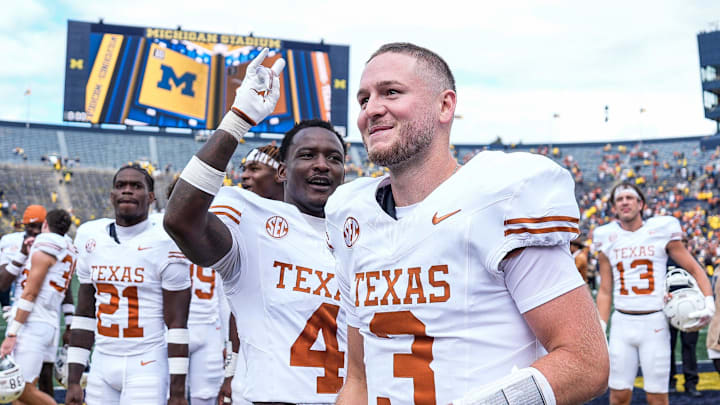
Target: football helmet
{"type": "Point", "coordinates": [683, 297]}
{"type": "Point", "coordinates": [61, 369]}
{"type": "Point", "coordinates": [12, 382]}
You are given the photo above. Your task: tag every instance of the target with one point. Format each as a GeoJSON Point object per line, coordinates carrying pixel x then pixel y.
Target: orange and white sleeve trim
{"type": "Point", "coordinates": [174, 254]}
{"type": "Point", "coordinates": [227, 211]}
{"type": "Point", "coordinates": [542, 225]}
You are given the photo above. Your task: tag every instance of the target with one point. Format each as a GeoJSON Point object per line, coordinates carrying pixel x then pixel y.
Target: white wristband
{"type": "Point", "coordinates": [234, 125]}
{"type": "Point", "coordinates": [203, 176]}
{"type": "Point", "coordinates": [84, 323]}
{"type": "Point", "coordinates": [231, 364]}
{"type": "Point", "coordinates": [68, 321]}
{"type": "Point", "coordinates": [14, 327]}
{"type": "Point", "coordinates": [13, 269]}
{"type": "Point", "coordinates": [19, 257]}
{"type": "Point", "coordinates": [178, 365]}
{"type": "Point", "coordinates": [527, 386]}
{"type": "Point", "coordinates": [78, 355]}
{"type": "Point", "coordinates": [68, 308]}
{"type": "Point", "coordinates": [178, 336]}
{"type": "Point", "coordinates": [25, 305]}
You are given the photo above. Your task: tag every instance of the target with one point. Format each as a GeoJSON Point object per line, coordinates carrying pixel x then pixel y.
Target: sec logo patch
{"type": "Point", "coordinates": [277, 227]}
{"type": "Point", "coordinates": [351, 231]}
{"type": "Point", "coordinates": [90, 245]}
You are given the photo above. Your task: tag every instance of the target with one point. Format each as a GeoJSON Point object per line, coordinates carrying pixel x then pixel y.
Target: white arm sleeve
{"type": "Point", "coordinates": [176, 276]}
{"type": "Point", "coordinates": [230, 266]}
{"type": "Point", "coordinates": [540, 274]}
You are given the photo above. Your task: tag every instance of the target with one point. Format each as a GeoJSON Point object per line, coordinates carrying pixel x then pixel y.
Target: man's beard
{"type": "Point", "coordinates": [412, 139]}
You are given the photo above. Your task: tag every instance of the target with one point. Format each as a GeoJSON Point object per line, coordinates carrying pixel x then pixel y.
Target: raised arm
{"type": "Point", "coordinates": [201, 235]}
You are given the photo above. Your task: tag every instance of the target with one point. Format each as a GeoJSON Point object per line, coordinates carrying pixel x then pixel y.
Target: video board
{"type": "Point", "coordinates": [187, 79]}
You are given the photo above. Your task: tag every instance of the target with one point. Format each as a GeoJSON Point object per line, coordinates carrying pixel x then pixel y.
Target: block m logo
{"type": "Point", "coordinates": [187, 79]}
{"type": "Point", "coordinates": [76, 64]}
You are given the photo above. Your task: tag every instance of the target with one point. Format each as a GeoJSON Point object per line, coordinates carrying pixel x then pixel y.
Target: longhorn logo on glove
{"type": "Point", "coordinates": [261, 93]}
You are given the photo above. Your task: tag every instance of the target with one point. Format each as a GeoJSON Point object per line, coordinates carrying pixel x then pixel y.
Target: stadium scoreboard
{"type": "Point", "coordinates": [187, 79]}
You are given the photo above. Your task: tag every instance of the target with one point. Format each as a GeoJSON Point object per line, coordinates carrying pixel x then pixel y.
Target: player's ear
{"type": "Point", "coordinates": [448, 102]}
{"type": "Point", "coordinates": [152, 196]}
{"type": "Point", "coordinates": [282, 173]}
{"type": "Point", "coordinates": [276, 177]}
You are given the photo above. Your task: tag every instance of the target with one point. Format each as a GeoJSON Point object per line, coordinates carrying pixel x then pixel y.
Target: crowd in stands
{"type": "Point", "coordinates": [678, 177]}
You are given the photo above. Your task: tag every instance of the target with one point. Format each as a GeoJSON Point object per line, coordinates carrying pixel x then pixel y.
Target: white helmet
{"type": "Point", "coordinates": [12, 382]}
{"type": "Point", "coordinates": [685, 298]}
{"type": "Point", "coordinates": [61, 369]}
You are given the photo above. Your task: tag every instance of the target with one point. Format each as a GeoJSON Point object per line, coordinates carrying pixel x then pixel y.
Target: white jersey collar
{"type": "Point", "coordinates": [125, 233]}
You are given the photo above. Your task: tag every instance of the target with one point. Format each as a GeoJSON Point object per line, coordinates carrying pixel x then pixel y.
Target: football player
{"type": "Point", "coordinates": [207, 326]}
{"type": "Point", "coordinates": [14, 248]}
{"type": "Point", "coordinates": [259, 176]}
{"type": "Point", "coordinates": [133, 282]}
{"type": "Point", "coordinates": [271, 255]}
{"type": "Point", "coordinates": [632, 257]}
{"type": "Point", "coordinates": [260, 172]}
{"type": "Point", "coordinates": [51, 265]}
{"type": "Point", "coordinates": [454, 277]}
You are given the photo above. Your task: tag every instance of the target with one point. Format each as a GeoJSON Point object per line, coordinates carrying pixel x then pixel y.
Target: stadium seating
{"type": "Point", "coordinates": [94, 154]}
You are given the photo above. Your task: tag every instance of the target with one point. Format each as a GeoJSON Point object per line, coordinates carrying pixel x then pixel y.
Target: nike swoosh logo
{"type": "Point", "coordinates": [436, 220]}
{"type": "Point", "coordinates": [144, 248]}
{"type": "Point", "coordinates": [658, 330]}
{"type": "Point", "coordinates": [145, 363]}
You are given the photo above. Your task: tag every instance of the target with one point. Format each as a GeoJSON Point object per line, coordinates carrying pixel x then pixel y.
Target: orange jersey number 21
{"type": "Point", "coordinates": [331, 359]}
{"type": "Point", "coordinates": [133, 329]}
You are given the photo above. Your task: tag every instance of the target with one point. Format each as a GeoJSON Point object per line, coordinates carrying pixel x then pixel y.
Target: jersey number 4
{"type": "Point", "coordinates": [647, 275]}
{"type": "Point", "coordinates": [133, 329]}
{"type": "Point", "coordinates": [324, 320]}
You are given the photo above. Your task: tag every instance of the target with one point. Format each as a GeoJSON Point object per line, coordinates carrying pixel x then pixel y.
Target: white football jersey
{"type": "Point", "coordinates": [9, 244]}
{"type": "Point", "coordinates": [206, 294]}
{"type": "Point", "coordinates": [58, 278]}
{"type": "Point", "coordinates": [437, 314]}
{"type": "Point", "coordinates": [129, 278]}
{"type": "Point", "coordinates": [280, 280]}
{"type": "Point", "coordinates": [638, 260]}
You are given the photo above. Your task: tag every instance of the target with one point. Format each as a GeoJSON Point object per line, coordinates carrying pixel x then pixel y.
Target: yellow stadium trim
{"type": "Point", "coordinates": [293, 86]}
{"type": "Point", "coordinates": [133, 80]}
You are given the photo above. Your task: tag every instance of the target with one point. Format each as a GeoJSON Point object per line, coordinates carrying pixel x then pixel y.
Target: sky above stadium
{"type": "Point", "coordinates": [530, 71]}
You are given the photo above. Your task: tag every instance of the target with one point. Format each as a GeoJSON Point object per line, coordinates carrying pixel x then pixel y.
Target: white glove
{"type": "Point", "coordinates": [704, 315]}
{"type": "Point", "coordinates": [256, 97]}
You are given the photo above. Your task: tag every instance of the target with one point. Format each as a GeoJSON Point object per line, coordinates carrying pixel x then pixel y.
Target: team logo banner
{"type": "Point", "coordinates": [187, 79]}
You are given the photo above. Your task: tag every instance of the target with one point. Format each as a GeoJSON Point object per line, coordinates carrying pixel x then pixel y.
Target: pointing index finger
{"type": "Point", "coordinates": [258, 60]}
